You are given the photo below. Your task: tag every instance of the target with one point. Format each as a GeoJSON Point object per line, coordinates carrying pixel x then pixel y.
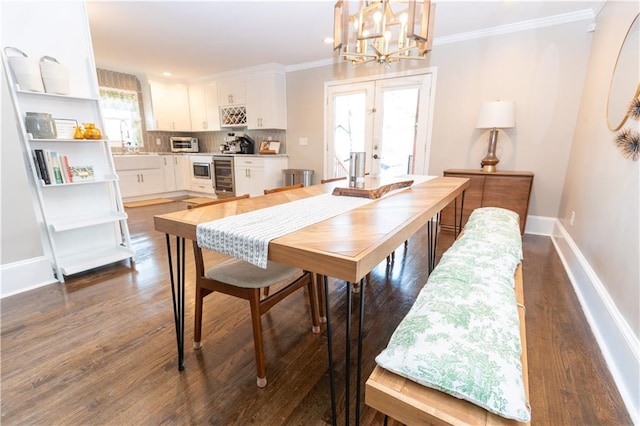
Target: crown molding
{"type": "Point", "coordinates": [308, 65]}
{"type": "Point", "coordinates": [532, 24]}
{"type": "Point", "coordinates": [564, 18]}
{"type": "Point", "coordinates": [244, 72]}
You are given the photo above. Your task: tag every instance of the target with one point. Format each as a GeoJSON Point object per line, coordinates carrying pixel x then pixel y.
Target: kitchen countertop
{"type": "Point", "coordinates": [135, 154]}
{"type": "Point", "coordinates": [252, 155]}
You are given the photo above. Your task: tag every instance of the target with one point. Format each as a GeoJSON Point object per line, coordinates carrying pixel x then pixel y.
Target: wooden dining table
{"type": "Point", "coordinates": [346, 247]}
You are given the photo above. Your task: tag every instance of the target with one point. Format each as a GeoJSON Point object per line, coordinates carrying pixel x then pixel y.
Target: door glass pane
{"type": "Point", "coordinates": [349, 129]}
{"type": "Point", "coordinates": [400, 107]}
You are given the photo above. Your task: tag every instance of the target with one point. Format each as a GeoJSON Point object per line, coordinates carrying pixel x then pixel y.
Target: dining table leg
{"type": "Point", "coordinates": [177, 293]}
{"type": "Point", "coordinates": [347, 357]}
{"type": "Point", "coordinates": [347, 380]}
{"type": "Point", "coordinates": [334, 417]}
{"type": "Point", "coordinates": [432, 241]}
{"type": "Point", "coordinates": [359, 364]}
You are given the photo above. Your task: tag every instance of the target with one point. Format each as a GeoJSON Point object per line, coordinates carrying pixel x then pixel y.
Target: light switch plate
{"type": "Point", "coordinates": [303, 141]}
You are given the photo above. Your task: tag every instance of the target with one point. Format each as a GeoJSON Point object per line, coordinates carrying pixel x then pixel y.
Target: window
{"type": "Point", "coordinates": [121, 116]}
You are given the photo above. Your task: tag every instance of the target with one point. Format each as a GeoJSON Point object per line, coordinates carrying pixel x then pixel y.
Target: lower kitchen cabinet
{"type": "Point", "coordinates": [253, 174]}
{"type": "Point", "coordinates": [140, 174]}
{"type": "Point", "coordinates": [177, 172]}
{"type": "Point", "coordinates": [509, 190]}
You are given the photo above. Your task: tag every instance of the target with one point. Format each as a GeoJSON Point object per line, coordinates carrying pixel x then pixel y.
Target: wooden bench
{"type": "Point", "coordinates": [414, 404]}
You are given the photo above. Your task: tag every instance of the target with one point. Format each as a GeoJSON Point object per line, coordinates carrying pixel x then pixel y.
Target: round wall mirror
{"type": "Point", "coordinates": [624, 81]}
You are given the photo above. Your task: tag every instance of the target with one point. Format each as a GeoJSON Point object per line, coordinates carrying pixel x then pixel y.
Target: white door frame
{"type": "Point", "coordinates": [426, 106]}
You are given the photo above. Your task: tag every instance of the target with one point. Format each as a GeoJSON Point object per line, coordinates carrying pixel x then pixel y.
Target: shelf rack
{"type": "Point", "coordinates": [83, 225]}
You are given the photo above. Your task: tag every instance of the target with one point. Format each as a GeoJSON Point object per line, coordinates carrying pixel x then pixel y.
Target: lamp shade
{"type": "Point", "coordinates": [497, 114]}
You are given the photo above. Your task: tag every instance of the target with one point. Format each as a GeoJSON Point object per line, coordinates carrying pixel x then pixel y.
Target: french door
{"type": "Point", "coordinates": [388, 119]}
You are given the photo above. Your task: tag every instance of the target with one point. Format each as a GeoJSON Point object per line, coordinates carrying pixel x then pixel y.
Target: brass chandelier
{"type": "Point", "coordinates": [383, 31]}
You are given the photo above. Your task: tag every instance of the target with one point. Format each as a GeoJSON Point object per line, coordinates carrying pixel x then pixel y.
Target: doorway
{"type": "Point", "coordinates": [387, 118]}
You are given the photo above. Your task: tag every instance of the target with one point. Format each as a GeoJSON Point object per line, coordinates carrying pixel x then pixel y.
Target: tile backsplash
{"type": "Point", "coordinates": [208, 141]}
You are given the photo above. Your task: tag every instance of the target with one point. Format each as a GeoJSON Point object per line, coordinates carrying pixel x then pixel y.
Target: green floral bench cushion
{"type": "Point", "coordinates": [462, 335]}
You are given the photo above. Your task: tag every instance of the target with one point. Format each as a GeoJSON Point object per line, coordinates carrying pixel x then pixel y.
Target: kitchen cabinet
{"type": "Point", "coordinates": [267, 102]}
{"type": "Point", "coordinates": [203, 105]}
{"type": "Point", "coordinates": [177, 173]}
{"type": "Point", "coordinates": [231, 92]}
{"type": "Point", "coordinates": [79, 209]}
{"type": "Point", "coordinates": [254, 174]}
{"type": "Point", "coordinates": [140, 174]}
{"type": "Point", "coordinates": [509, 190]}
{"type": "Point", "coordinates": [170, 106]}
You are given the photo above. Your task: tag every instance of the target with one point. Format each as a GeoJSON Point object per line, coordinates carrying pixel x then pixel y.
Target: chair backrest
{"type": "Point", "coordinates": [283, 188]}
{"type": "Point", "coordinates": [332, 179]}
{"type": "Point", "coordinates": [218, 201]}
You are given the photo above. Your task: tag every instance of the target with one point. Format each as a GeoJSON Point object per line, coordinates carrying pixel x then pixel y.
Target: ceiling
{"type": "Point", "coordinates": [196, 39]}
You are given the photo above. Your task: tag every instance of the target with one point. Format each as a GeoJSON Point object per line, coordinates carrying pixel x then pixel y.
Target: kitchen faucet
{"type": "Point", "coordinates": [126, 147]}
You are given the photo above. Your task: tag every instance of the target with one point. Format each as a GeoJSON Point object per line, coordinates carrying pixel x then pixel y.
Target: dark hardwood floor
{"type": "Point", "coordinates": [100, 349]}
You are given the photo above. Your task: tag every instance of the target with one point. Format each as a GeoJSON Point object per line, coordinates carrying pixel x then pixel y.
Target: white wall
{"type": "Point", "coordinates": [601, 249]}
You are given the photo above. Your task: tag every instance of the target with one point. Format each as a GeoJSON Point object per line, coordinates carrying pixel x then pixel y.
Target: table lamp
{"type": "Point", "coordinates": [495, 115]}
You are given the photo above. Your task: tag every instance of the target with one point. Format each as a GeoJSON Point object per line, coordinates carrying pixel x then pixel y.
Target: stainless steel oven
{"type": "Point", "coordinates": [223, 175]}
{"type": "Point", "coordinates": [201, 170]}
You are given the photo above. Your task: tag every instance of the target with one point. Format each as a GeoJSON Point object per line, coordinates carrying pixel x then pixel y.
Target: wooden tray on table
{"type": "Point", "coordinates": [373, 193]}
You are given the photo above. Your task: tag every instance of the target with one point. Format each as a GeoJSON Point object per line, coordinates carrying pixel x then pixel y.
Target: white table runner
{"type": "Point", "coordinates": [246, 236]}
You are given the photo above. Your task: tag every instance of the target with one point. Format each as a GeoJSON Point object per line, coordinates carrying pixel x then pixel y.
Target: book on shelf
{"type": "Point", "coordinates": [67, 169]}
{"type": "Point", "coordinates": [82, 173]}
{"type": "Point", "coordinates": [41, 165]}
{"type": "Point", "coordinates": [54, 168]}
{"type": "Point", "coordinates": [57, 169]}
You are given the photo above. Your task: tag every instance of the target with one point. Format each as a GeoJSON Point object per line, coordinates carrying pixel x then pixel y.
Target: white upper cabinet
{"type": "Point", "coordinates": [170, 105]}
{"type": "Point", "coordinates": [231, 92]}
{"type": "Point", "coordinates": [203, 104]}
{"type": "Point", "coordinates": [267, 102]}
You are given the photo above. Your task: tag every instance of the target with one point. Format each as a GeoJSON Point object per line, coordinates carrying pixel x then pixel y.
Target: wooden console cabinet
{"type": "Point", "coordinates": [510, 190]}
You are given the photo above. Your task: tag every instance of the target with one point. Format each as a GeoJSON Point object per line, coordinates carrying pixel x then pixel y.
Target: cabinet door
{"type": "Point", "coordinates": [168, 172]}
{"type": "Point", "coordinates": [182, 171]}
{"type": "Point", "coordinates": [231, 92]}
{"type": "Point", "coordinates": [472, 200]}
{"type": "Point", "coordinates": [170, 104]}
{"type": "Point", "coordinates": [203, 105]}
{"type": "Point", "coordinates": [152, 181]}
{"type": "Point", "coordinates": [129, 183]}
{"type": "Point", "coordinates": [266, 102]}
{"type": "Point", "coordinates": [249, 180]}
{"type": "Point", "coordinates": [509, 192]}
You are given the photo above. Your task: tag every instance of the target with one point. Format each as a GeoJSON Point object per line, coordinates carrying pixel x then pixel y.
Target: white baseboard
{"type": "Point", "coordinates": [25, 275]}
{"type": "Point", "coordinates": [618, 343]}
{"type": "Point", "coordinates": [539, 225]}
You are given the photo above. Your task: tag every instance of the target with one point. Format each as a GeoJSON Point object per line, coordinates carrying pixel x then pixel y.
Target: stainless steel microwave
{"type": "Point", "coordinates": [184, 144]}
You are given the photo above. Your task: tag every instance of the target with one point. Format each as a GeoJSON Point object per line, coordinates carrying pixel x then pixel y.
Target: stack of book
{"type": "Point", "coordinates": [53, 168]}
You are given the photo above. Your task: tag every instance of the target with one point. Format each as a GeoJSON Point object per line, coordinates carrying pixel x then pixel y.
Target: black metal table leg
{"type": "Point", "coordinates": [432, 241]}
{"type": "Point", "coordinates": [461, 210]}
{"type": "Point", "coordinates": [347, 358]}
{"type": "Point", "coordinates": [359, 372]}
{"type": "Point", "coordinates": [457, 225]}
{"type": "Point", "coordinates": [177, 294]}
{"type": "Point", "coordinates": [334, 417]}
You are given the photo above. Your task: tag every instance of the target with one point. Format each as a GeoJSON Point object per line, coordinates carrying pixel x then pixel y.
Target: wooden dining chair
{"type": "Point", "coordinates": [218, 201]}
{"type": "Point", "coordinates": [283, 188]}
{"type": "Point", "coordinates": [241, 279]}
